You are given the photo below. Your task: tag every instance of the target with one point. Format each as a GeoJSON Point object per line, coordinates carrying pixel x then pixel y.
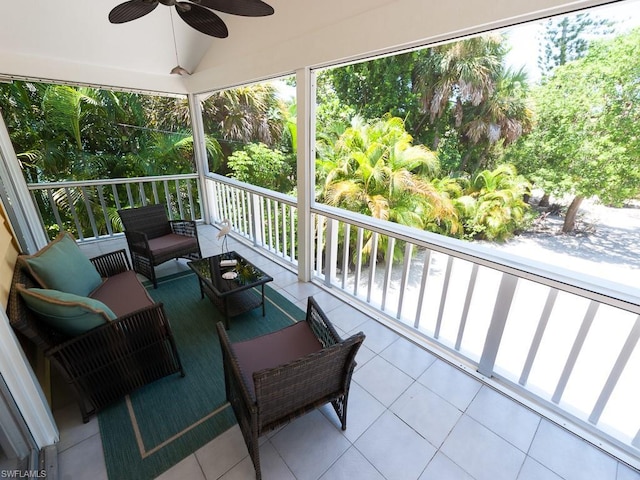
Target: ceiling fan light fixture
{"type": "Point", "coordinates": [178, 70]}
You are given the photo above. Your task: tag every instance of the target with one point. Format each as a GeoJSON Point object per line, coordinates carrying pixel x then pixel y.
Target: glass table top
{"type": "Point", "coordinates": [228, 272]}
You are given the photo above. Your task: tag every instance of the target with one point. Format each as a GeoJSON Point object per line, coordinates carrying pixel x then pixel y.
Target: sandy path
{"type": "Point", "coordinates": [609, 248]}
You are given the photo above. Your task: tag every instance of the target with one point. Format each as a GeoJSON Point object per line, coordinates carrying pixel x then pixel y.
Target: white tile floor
{"type": "Point", "coordinates": [411, 416]}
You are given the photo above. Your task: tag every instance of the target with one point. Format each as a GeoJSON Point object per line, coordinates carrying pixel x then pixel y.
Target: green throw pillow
{"type": "Point", "coordinates": [67, 313]}
{"type": "Point", "coordinates": [62, 266]}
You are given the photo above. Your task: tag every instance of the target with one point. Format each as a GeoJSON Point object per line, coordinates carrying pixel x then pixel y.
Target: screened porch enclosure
{"type": "Point", "coordinates": [561, 343]}
{"type": "Point", "coordinates": [565, 346]}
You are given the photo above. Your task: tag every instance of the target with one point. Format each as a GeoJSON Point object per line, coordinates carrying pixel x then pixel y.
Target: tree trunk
{"type": "Point", "coordinates": [481, 162]}
{"type": "Point", "coordinates": [572, 211]}
{"type": "Point", "coordinates": [544, 200]}
{"type": "Point", "coordinates": [436, 142]}
{"type": "Point", "coordinates": [465, 160]}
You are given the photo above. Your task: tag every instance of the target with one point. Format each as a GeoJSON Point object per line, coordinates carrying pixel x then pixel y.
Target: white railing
{"type": "Point", "coordinates": [88, 209]}
{"type": "Point", "coordinates": [568, 344]}
{"type": "Point", "coordinates": [266, 218]}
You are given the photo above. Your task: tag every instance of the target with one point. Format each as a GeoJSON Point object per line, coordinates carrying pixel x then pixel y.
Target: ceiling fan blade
{"type": "Point", "coordinates": [245, 8]}
{"type": "Point", "coordinates": [201, 19]}
{"type": "Point", "coordinates": [125, 12]}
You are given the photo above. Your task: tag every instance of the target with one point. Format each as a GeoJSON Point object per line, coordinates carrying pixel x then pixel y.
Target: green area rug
{"type": "Point", "coordinates": [160, 424]}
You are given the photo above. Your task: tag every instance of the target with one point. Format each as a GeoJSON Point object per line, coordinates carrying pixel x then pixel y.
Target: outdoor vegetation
{"type": "Point", "coordinates": [450, 139]}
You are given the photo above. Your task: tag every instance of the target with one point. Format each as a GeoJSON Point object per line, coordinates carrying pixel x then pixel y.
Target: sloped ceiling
{"type": "Point", "coordinates": [73, 41]}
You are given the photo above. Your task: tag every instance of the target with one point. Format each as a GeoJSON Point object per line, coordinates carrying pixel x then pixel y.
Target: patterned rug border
{"type": "Point", "coordinates": [144, 453]}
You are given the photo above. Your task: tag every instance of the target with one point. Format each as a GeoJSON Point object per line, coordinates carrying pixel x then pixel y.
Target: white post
{"type": "Point", "coordinates": [200, 153]}
{"type": "Point", "coordinates": [24, 387]}
{"type": "Point", "coordinates": [305, 85]}
{"type": "Point", "coordinates": [22, 213]}
{"type": "Point", "coordinates": [331, 252]}
{"type": "Point", "coordinates": [257, 219]}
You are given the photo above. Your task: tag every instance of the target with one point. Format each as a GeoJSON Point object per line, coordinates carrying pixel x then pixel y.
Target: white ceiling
{"type": "Point", "coordinates": [54, 38]}
{"type": "Point", "coordinates": [73, 41]}
{"type": "Point", "coordinates": [78, 32]}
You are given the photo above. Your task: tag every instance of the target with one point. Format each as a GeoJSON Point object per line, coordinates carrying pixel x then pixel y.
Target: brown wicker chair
{"type": "Point", "coordinates": [109, 361]}
{"type": "Point", "coordinates": [154, 239]}
{"type": "Point", "coordinates": [277, 377]}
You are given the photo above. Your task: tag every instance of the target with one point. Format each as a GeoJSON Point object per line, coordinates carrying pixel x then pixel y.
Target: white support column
{"type": "Point", "coordinates": [331, 251]}
{"type": "Point", "coordinates": [257, 220]}
{"type": "Point", "coordinates": [16, 198]}
{"type": "Point", "coordinates": [305, 84]}
{"type": "Point", "coordinates": [200, 153]}
{"type": "Point", "coordinates": [24, 387]}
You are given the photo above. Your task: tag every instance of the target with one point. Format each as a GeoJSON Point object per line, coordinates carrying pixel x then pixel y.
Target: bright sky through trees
{"type": "Point", "coordinates": [525, 39]}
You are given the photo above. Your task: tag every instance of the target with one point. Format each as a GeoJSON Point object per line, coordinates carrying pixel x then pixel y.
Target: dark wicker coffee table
{"type": "Point", "coordinates": [232, 296]}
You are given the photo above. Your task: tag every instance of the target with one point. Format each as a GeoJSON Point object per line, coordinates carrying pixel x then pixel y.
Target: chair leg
{"type": "Point", "coordinates": [256, 457]}
{"type": "Point", "coordinates": [340, 406]}
{"type": "Point", "coordinates": [249, 428]}
{"type": "Point", "coordinates": [86, 415]}
{"type": "Point", "coordinates": [153, 277]}
{"type": "Point", "coordinates": [174, 349]}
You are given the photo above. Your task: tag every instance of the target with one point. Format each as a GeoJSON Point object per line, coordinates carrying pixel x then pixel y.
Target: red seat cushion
{"type": "Point", "coordinates": [172, 242]}
{"type": "Point", "coordinates": [123, 293]}
{"type": "Point", "coordinates": [275, 349]}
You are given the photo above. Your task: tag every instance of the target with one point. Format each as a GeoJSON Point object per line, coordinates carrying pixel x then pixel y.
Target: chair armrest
{"type": "Point", "coordinates": [142, 326]}
{"type": "Point", "coordinates": [137, 241]}
{"type": "Point", "coordinates": [322, 328]}
{"type": "Point", "coordinates": [112, 263]}
{"type": "Point", "coordinates": [184, 227]}
{"type": "Point", "coordinates": [112, 360]}
{"type": "Point", "coordinates": [234, 379]}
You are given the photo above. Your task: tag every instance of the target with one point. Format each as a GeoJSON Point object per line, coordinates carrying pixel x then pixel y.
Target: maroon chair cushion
{"type": "Point", "coordinates": [167, 244]}
{"type": "Point", "coordinates": [123, 293]}
{"type": "Point", "coordinates": [275, 349]}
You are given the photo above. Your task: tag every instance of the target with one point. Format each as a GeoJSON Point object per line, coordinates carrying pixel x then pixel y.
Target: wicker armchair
{"type": "Point", "coordinates": [109, 361]}
{"type": "Point", "coordinates": [154, 239]}
{"type": "Point", "coordinates": [277, 377]}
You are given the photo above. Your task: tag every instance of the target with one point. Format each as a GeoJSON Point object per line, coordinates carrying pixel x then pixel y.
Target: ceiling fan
{"type": "Point", "coordinates": [196, 13]}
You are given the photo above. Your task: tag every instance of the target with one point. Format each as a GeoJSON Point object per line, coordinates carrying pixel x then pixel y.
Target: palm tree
{"type": "Point", "coordinates": [377, 171]}
{"type": "Point", "coordinates": [468, 97]}
{"type": "Point", "coordinates": [493, 206]}
{"type": "Point", "coordinates": [449, 76]}
{"type": "Point", "coordinates": [66, 107]}
{"type": "Point", "coordinates": [501, 119]}
{"type": "Point", "coordinates": [245, 114]}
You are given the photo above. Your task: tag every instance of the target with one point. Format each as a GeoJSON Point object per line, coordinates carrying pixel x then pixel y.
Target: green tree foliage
{"type": "Point", "coordinates": [251, 113]}
{"type": "Point", "coordinates": [457, 98]}
{"type": "Point", "coordinates": [259, 165]}
{"type": "Point", "coordinates": [587, 140]}
{"type": "Point", "coordinates": [492, 207]}
{"type": "Point", "coordinates": [497, 122]}
{"type": "Point", "coordinates": [75, 133]}
{"type": "Point", "coordinates": [565, 39]}
{"type": "Point", "coordinates": [377, 171]}
{"type": "Point", "coordinates": [20, 106]}
{"type": "Point", "coordinates": [378, 87]}
{"type": "Point", "coordinates": [333, 116]}
{"type": "Point", "coordinates": [61, 132]}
